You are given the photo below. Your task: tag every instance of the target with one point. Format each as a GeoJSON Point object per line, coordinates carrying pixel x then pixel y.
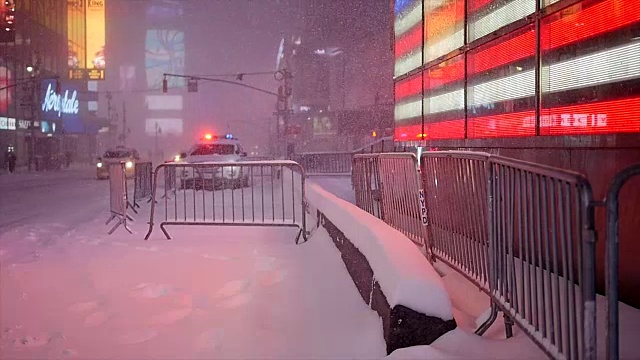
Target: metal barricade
{"type": "Point", "coordinates": [170, 178]}
{"type": "Point", "coordinates": [365, 178]}
{"type": "Point", "coordinates": [524, 233]}
{"type": "Point", "coordinates": [388, 186]}
{"type": "Point", "coordinates": [542, 254]}
{"type": "Point", "coordinates": [261, 193]}
{"type": "Point", "coordinates": [455, 187]}
{"type": "Point", "coordinates": [118, 202]}
{"type": "Point", "coordinates": [612, 203]}
{"type": "Point", "coordinates": [142, 182]}
{"type": "Point", "coordinates": [326, 163]}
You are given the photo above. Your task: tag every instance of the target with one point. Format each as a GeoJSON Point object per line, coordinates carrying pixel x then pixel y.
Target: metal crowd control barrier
{"type": "Point", "coordinates": [524, 233]}
{"type": "Point", "coordinates": [326, 163]}
{"type": "Point", "coordinates": [340, 162]}
{"type": "Point", "coordinates": [455, 187]}
{"type": "Point", "coordinates": [388, 186]}
{"type": "Point", "coordinates": [170, 178]}
{"type": "Point", "coordinates": [367, 186]}
{"type": "Point", "coordinates": [142, 182]}
{"type": "Point", "coordinates": [261, 193]}
{"type": "Point", "coordinates": [118, 202]}
{"type": "Point", "coordinates": [612, 203]}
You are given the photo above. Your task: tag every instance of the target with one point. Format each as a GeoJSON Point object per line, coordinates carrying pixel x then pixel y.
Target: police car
{"type": "Point", "coordinates": [213, 149]}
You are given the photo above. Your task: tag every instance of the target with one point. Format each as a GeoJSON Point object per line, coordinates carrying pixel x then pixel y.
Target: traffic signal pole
{"type": "Point", "coordinates": [283, 104]}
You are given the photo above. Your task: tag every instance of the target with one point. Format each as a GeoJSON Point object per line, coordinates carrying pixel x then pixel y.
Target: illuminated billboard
{"type": "Point", "coordinates": [164, 53]}
{"type": "Point", "coordinates": [567, 71]}
{"type": "Point", "coordinates": [86, 34]}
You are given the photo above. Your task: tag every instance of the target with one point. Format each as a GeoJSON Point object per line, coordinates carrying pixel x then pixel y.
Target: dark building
{"type": "Point", "coordinates": [34, 48]}
{"type": "Point", "coordinates": [342, 65]}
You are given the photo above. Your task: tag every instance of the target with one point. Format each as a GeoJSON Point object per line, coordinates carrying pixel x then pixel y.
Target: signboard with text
{"type": "Point", "coordinates": [86, 34]}
{"type": "Point", "coordinates": [63, 107]}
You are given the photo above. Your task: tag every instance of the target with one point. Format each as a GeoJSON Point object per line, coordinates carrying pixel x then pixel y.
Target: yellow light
{"type": "Point", "coordinates": [374, 134]}
{"type": "Point", "coordinates": [176, 158]}
{"type": "Point", "coordinates": [128, 164]}
{"type": "Point", "coordinates": [208, 136]}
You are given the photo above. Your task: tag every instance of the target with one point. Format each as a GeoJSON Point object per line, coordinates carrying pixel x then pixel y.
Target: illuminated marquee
{"type": "Point", "coordinates": [58, 104]}
{"type": "Point", "coordinates": [588, 76]}
{"type": "Point", "coordinates": [87, 37]}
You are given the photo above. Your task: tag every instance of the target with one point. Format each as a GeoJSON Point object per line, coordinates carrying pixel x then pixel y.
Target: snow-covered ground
{"type": "Point", "coordinates": [68, 290]}
{"type": "Point", "coordinates": [71, 291]}
{"type": "Point", "coordinates": [338, 185]}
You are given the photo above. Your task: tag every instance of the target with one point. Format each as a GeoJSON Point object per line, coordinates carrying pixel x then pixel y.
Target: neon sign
{"type": "Point", "coordinates": [62, 105]}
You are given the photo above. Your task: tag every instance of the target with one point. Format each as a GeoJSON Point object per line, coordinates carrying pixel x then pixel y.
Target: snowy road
{"type": "Point", "coordinates": [69, 291]}
{"type": "Point", "coordinates": [65, 197]}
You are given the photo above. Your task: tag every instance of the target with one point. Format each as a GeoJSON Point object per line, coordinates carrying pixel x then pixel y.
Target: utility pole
{"type": "Point", "coordinates": [34, 106]}
{"type": "Point", "coordinates": [284, 110]}
{"type": "Point", "coordinates": [158, 132]}
{"type": "Point", "coordinates": [124, 123]}
{"type": "Point", "coordinates": [109, 98]}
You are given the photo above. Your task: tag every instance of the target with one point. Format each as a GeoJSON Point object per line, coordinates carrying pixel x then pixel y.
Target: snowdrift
{"type": "Point", "coordinates": [391, 274]}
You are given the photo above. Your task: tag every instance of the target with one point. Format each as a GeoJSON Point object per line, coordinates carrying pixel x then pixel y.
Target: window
{"type": "Point", "coordinates": [487, 16]}
{"type": "Point", "coordinates": [443, 27]}
{"type": "Point", "coordinates": [590, 74]}
{"type": "Point", "coordinates": [408, 36]}
{"type": "Point", "coordinates": [444, 100]}
{"type": "Point", "coordinates": [213, 149]}
{"type": "Point", "coordinates": [408, 108]}
{"type": "Point", "coordinates": [501, 86]}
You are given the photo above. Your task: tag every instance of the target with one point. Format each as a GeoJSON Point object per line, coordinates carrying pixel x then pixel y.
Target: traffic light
{"type": "Point", "coordinates": [192, 85]}
{"type": "Point", "coordinates": [165, 85]}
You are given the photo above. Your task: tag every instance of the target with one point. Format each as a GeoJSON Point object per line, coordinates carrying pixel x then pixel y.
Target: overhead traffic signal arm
{"type": "Point", "coordinates": [165, 83]}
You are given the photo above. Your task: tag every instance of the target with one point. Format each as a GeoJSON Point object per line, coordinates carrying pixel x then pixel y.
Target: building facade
{"type": "Point", "coordinates": [550, 81]}
{"type": "Point", "coordinates": [43, 114]}
{"type": "Point", "coordinates": [341, 74]}
{"type": "Point", "coordinates": [36, 49]}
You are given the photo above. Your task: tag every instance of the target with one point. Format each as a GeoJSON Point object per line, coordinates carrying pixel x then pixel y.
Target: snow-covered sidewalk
{"type": "Point", "coordinates": [212, 292]}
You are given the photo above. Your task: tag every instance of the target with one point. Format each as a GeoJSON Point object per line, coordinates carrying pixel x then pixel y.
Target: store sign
{"type": "Point", "coordinates": [56, 103]}
{"type": "Point", "coordinates": [7, 123]}
{"type": "Point", "coordinates": [26, 124]}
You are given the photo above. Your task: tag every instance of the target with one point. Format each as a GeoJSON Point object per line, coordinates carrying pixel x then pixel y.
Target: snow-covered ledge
{"type": "Point", "coordinates": [391, 274]}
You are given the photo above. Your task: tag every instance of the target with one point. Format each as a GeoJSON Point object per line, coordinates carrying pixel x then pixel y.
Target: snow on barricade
{"type": "Point", "coordinates": [417, 309]}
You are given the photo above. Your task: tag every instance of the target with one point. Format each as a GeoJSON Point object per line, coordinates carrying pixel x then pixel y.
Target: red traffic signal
{"type": "Point", "coordinates": [165, 85]}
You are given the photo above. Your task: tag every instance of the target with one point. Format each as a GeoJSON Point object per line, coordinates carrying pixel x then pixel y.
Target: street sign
{"type": "Point", "coordinates": [86, 74]}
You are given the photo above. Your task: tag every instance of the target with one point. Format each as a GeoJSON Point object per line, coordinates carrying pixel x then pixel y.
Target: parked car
{"type": "Point", "coordinates": [119, 154]}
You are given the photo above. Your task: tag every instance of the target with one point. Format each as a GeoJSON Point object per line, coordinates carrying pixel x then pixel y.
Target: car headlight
{"type": "Point", "coordinates": [99, 164]}
{"type": "Point", "coordinates": [129, 164]}
{"type": "Point", "coordinates": [231, 171]}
